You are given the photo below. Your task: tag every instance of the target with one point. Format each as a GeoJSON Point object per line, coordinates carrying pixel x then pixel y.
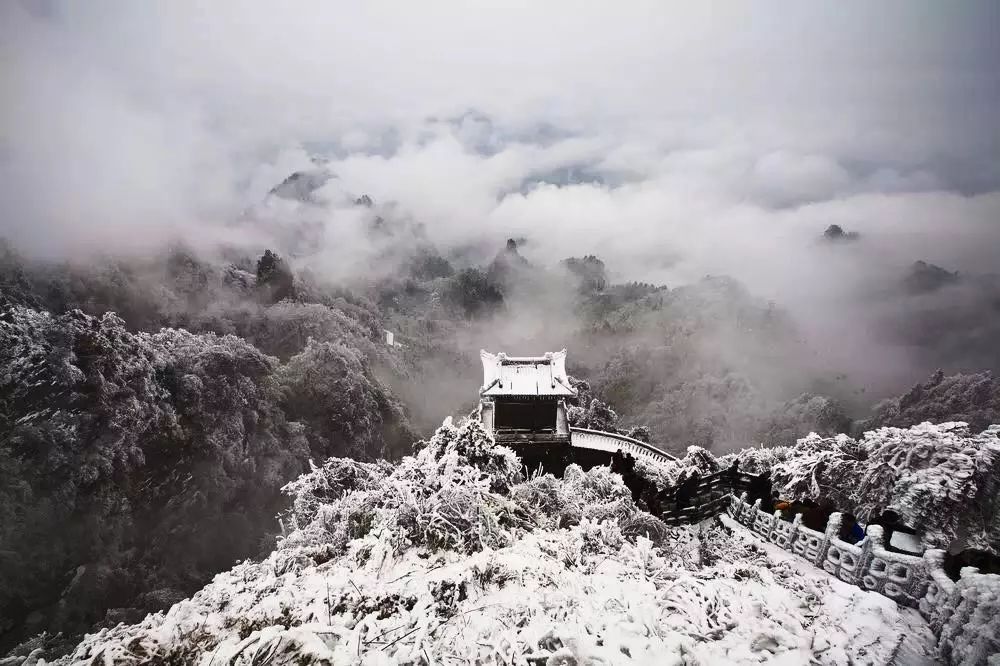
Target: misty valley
{"type": "Point", "coordinates": [462, 334]}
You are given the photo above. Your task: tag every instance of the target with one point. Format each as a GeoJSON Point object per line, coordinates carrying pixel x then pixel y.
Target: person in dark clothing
{"type": "Point", "coordinates": [760, 489]}
{"type": "Point", "coordinates": [782, 505]}
{"type": "Point", "coordinates": [850, 530]}
{"type": "Point", "coordinates": [686, 490]}
{"type": "Point", "coordinates": [732, 477]}
{"type": "Point", "coordinates": [624, 464]}
{"type": "Point", "coordinates": [816, 516]}
{"type": "Point", "coordinates": [789, 509]}
{"type": "Point", "coordinates": [905, 540]}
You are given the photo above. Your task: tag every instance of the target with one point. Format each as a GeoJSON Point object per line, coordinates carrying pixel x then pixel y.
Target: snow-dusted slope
{"type": "Point", "coordinates": [577, 595]}
{"type": "Point", "coordinates": [446, 558]}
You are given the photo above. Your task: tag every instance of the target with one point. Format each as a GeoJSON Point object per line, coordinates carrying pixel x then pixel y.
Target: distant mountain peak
{"type": "Point", "coordinates": [924, 277]}
{"type": "Point", "coordinates": [301, 184]}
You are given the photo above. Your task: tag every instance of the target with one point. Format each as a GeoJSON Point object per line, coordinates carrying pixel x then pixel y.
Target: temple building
{"type": "Point", "coordinates": [523, 404]}
{"type": "Point", "coordinates": [523, 398]}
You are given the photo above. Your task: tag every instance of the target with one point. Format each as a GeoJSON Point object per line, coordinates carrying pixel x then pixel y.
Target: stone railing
{"type": "Point", "coordinates": [585, 438]}
{"type": "Point", "coordinates": [964, 615]}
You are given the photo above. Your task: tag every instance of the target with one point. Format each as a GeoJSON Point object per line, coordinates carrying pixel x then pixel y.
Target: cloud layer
{"type": "Point", "coordinates": [673, 140]}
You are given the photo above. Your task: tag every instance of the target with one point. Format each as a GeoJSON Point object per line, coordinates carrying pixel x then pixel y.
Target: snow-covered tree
{"type": "Point", "coordinates": [941, 479]}
{"type": "Point", "coordinates": [120, 452]}
{"type": "Point", "coordinates": [329, 387]}
{"type": "Point", "coordinates": [972, 398]}
{"type": "Point", "coordinates": [802, 415]}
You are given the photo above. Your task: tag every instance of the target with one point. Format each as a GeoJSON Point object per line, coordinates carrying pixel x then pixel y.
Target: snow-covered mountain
{"type": "Point", "coordinates": [450, 557]}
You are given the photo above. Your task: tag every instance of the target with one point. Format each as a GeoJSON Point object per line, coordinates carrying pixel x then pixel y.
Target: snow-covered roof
{"type": "Point", "coordinates": [525, 376]}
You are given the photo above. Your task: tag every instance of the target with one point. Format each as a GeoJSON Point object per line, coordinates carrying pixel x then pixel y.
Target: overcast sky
{"type": "Point", "coordinates": [675, 139]}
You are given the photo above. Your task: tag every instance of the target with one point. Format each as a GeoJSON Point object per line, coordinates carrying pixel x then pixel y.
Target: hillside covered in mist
{"type": "Point", "coordinates": [151, 403]}
{"type": "Point", "coordinates": [745, 225]}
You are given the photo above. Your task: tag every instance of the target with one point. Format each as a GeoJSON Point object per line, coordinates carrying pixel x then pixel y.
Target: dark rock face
{"type": "Point", "coordinates": [301, 185]}
{"type": "Point", "coordinates": [835, 232]}
{"type": "Point", "coordinates": [924, 277]}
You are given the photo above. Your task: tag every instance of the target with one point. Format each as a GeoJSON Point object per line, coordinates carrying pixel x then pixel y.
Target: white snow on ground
{"type": "Point", "coordinates": [571, 596]}
{"type": "Point", "coordinates": [448, 557]}
{"type": "Point", "coordinates": [870, 613]}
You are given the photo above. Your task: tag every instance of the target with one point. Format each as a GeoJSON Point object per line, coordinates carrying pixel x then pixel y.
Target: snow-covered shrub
{"type": "Point", "coordinates": [973, 631]}
{"type": "Point", "coordinates": [453, 494]}
{"type": "Point", "coordinates": [597, 495]}
{"type": "Point", "coordinates": [642, 524]}
{"type": "Point", "coordinates": [598, 485]}
{"type": "Point", "coordinates": [546, 495]}
{"type": "Point", "coordinates": [700, 459]}
{"type": "Point", "coordinates": [471, 446]}
{"type": "Point", "coordinates": [827, 468]}
{"type": "Point", "coordinates": [757, 460]}
{"type": "Point", "coordinates": [324, 485]}
{"type": "Point", "coordinates": [663, 474]}
{"type": "Point", "coordinates": [458, 492]}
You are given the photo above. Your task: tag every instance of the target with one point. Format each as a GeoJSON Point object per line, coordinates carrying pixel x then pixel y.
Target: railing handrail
{"type": "Point", "coordinates": [631, 440]}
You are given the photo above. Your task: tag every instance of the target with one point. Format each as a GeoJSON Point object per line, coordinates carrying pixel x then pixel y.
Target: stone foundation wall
{"type": "Point", "coordinates": [963, 614]}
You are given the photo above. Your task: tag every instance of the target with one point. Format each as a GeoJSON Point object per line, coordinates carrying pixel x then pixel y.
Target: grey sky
{"type": "Point", "coordinates": [733, 133]}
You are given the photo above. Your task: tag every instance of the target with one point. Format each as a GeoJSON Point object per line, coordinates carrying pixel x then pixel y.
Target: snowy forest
{"type": "Point", "coordinates": [153, 412]}
{"type": "Point", "coordinates": [249, 258]}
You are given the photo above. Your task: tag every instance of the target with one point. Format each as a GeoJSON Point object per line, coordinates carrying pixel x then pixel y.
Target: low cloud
{"type": "Point", "coordinates": [674, 141]}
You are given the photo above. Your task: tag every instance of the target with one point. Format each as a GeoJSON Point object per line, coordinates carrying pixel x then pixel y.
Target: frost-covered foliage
{"type": "Point", "coordinates": [285, 328]}
{"type": "Point", "coordinates": [972, 632]}
{"type": "Point", "coordinates": [589, 271]}
{"type": "Point", "coordinates": [133, 466]}
{"type": "Point", "coordinates": [940, 478]}
{"type": "Point", "coordinates": [453, 493]}
{"type": "Point", "coordinates": [120, 451]}
{"type": "Point", "coordinates": [806, 413]}
{"type": "Point", "coordinates": [458, 492]}
{"type": "Point", "coordinates": [328, 387]}
{"type": "Point", "coordinates": [688, 362]}
{"type": "Point", "coordinates": [973, 399]}
{"type": "Point", "coordinates": [701, 460]}
{"type": "Point", "coordinates": [448, 557]}
{"type": "Point", "coordinates": [472, 292]}
{"type": "Point", "coordinates": [668, 473]}
{"type": "Point", "coordinates": [589, 411]}
{"type": "Point", "coordinates": [756, 460]}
